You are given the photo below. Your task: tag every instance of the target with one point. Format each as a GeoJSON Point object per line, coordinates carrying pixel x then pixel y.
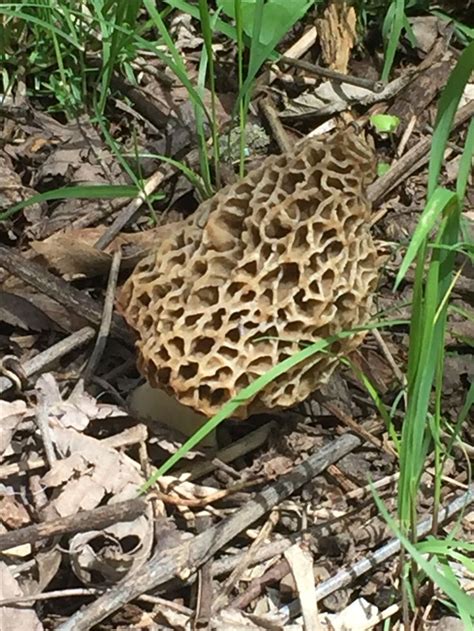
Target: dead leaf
{"type": "Point", "coordinates": [277, 466]}
{"type": "Point", "coordinates": [329, 99]}
{"type": "Point", "coordinates": [60, 318]}
{"type": "Point", "coordinates": [73, 252]}
{"type": "Point", "coordinates": [183, 31]}
{"type": "Point", "coordinates": [89, 472]}
{"type": "Point", "coordinates": [12, 513]}
{"type": "Point", "coordinates": [20, 312]}
{"type": "Point", "coordinates": [301, 566]}
{"type": "Point", "coordinates": [81, 158]}
{"type": "Point", "coordinates": [108, 555]}
{"type": "Point", "coordinates": [77, 410]}
{"type": "Point", "coordinates": [11, 415]}
{"type": "Point", "coordinates": [46, 565]}
{"type": "Point", "coordinates": [426, 31]}
{"type": "Point", "coordinates": [12, 190]}
{"type": "Point", "coordinates": [73, 153]}
{"type": "Point", "coordinates": [337, 34]}
{"type": "Point", "coordinates": [16, 618]}
{"type": "Point", "coordinates": [355, 616]}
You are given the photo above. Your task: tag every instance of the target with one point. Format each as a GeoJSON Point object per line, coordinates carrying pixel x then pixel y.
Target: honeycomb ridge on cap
{"type": "Point", "coordinates": [285, 253]}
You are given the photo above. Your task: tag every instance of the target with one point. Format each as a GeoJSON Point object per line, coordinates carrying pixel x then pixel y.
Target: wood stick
{"type": "Point", "coordinates": [415, 158]}
{"type": "Point", "coordinates": [332, 75]}
{"type": "Point", "coordinates": [107, 315]}
{"type": "Point", "coordinates": [50, 355]}
{"type": "Point", "coordinates": [80, 522]}
{"type": "Point", "coordinates": [181, 561]}
{"type": "Point", "coordinates": [346, 577]}
{"type": "Point", "coordinates": [61, 291]}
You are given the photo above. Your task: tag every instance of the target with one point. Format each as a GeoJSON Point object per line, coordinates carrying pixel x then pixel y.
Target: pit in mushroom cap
{"type": "Point", "coordinates": [285, 252]}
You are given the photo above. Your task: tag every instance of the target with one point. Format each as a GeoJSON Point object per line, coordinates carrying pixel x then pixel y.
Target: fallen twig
{"type": "Point", "coordinates": [346, 577]}
{"type": "Point", "coordinates": [201, 502]}
{"type": "Point", "coordinates": [256, 585]}
{"type": "Point", "coordinates": [50, 355]}
{"type": "Point", "coordinates": [107, 315]}
{"type": "Point", "coordinates": [42, 421]}
{"type": "Point", "coordinates": [415, 158]}
{"type": "Point", "coordinates": [271, 113]}
{"type": "Point", "coordinates": [127, 214]}
{"type": "Point", "coordinates": [231, 452]}
{"type": "Point", "coordinates": [332, 75]}
{"type": "Point", "coordinates": [61, 291]}
{"type": "Point", "coordinates": [181, 561]}
{"type": "Point", "coordinates": [80, 592]}
{"type": "Point", "coordinates": [205, 586]}
{"type": "Point", "coordinates": [80, 522]}
{"type": "Point", "coordinates": [245, 561]}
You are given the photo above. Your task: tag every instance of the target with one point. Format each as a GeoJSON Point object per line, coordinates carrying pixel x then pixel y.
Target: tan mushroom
{"type": "Point", "coordinates": [284, 253]}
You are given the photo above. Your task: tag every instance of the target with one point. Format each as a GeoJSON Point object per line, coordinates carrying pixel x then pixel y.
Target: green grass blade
{"type": "Point", "coordinates": [207, 35]}
{"type": "Point", "coordinates": [376, 398]}
{"type": "Point", "coordinates": [393, 26]}
{"type": "Point", "coordinates": [47, 26]}
{"type": "Point", "coordinates": [193, 177]}
{"type": "Point", "coordinates": [205, 168]}
{"type": "Point", "coordinates": [249, 392]}
{"type": "Point", "coordinates": [441, 199]}
{"type": "Point", "coordinates": [448, 105]}
{"type": "Point", "coordinates": [464, 603]}
{"type": "Point", "coordinates": [240, 75]}
{"type": "Point", "coordinates": [98, 191]}
{"type": "Point", "coordinates": [175, 62]}
{"type": "Point", "coordinates": [465, 165]}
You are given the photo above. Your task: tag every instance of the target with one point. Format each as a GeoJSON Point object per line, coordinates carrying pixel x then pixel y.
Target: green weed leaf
{"type": "Point", "coordinates": [438, 202]}
{"type": "Point", "coordinates": [382, 168]}
{"type": "Point", "coordinates": [385, 123]}
{"type": "Point", "coordinates": [278, 16]}
{"type": "Point", "coordinates": [74, 192]}
{"type": "Point", "coordinates": [448, 105]}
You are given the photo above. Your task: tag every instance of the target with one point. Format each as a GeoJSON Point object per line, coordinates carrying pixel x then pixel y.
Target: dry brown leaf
{"type": "Point", "coordinates": [68, 255]}
{"type": "Point", "coordinates": [79, 408]}
{"type": "Point", "coordinates": [11, 415]}
{"type": "Point", "coordinates": [38, 576]}
{"type": "Point", "coordinates": [12, 513]}
{"type": "Point", "coordinates": [20, 312]}
{"type": "Point", "coordinates": [426, 30]}
{"type": "Point", "coordinates": [73, 252]}
{"type": "Point", "coordinates": [89, 472]}
{"type": "Point", "coordinates": [301, 566]}
{"type": "Point", "coordinates": [15, 618]}
{"type": "Point", "coordinates": [183, 31]}
{"type": "Point", "coordinates": [12, 190]}
{"type": "Point", "coordinates": [81, 158]}
{"type": "Point", "coordinates": [60, 317]}
{"type": "Point", "coordinates": [337, 34]}
{"type": "Point", "coordinates": [112, 552]}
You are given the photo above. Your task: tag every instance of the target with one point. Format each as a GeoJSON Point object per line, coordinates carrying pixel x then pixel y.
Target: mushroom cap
{"type": "Point", "coordinates": [285, 254]}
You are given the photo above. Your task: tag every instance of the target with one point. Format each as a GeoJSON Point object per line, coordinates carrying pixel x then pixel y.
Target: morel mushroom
{"type": "Point", "coordinates": [284, 254]}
